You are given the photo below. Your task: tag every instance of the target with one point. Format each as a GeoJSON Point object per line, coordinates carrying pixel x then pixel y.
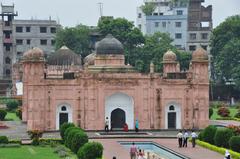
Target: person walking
{"type": "Point", "coordinates": [136, 126]}
{"type": "Point", "coordinates": [227, 155]}
{"type": "Point", "coordinates": [106, 124]}
{"type": "Point", "coordinates": [185, 138]}
{"type": "Point", "coordinates": [194, 137]}
{"type": "Point", "coordinates": [180, 137]}
{"type": "Point", "coordinates": [133, 151]}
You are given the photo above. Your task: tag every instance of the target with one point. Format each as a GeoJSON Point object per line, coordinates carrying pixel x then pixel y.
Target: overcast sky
{"type": "Point", "coordinates": [72, 12]}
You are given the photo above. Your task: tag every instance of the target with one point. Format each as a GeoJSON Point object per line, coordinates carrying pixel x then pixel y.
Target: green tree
{"type": "Point", "coordinates": [225, 49]}
{"type": "Point", "coordinates": [148, 8]}
{"type": "Point", "coordinates": [75, 38]}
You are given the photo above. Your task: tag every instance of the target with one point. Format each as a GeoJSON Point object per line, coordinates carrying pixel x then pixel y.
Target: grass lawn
{"type": "Point", "coordinates": [233, 111]}
{"type": "Point", "coordinates": [12, 116]}
{"type": "Point", "coordinates": [29, 152]}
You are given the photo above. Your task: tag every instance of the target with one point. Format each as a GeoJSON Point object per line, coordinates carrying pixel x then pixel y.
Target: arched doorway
{"type": "Point", "coordinates": [64, 114]}
{"type": "Point", "coordinates": [172, 116]}
{"type": "Point", "coordinates": [118, 104]}
{"type": "Point", "coordinates": [118, 118]}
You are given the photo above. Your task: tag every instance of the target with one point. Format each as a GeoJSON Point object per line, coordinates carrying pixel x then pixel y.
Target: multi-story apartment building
{"type": "Point", "coordinates": [199, 25]}
{"type": "Point", "coordinates": [167, 17]}
{"type": "Point", "coordinates": [188, 23]}
{"type": "Point", "coordinates": [18, 36]}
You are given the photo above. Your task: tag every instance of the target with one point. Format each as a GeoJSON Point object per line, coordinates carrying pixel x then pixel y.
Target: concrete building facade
{"type": "Point", "coordinates": [61, 89]}
{"type": "Point", "coordinates": [18, 36]}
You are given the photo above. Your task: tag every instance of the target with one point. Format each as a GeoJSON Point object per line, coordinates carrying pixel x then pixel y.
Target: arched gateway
{"type": "Point", "coordinates": [63, 114]}
{"type": "Point", "coordinates": [172, 116]}
{"type": "Point", "coordinates": [119, 109]}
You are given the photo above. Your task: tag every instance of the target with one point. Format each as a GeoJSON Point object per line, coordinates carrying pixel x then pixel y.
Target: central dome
{"type": "Point", "coordinates": [109, 45]}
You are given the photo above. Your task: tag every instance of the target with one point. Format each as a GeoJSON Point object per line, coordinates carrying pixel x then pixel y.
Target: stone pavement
{"type": "Point", "coordinates": [113, 148]}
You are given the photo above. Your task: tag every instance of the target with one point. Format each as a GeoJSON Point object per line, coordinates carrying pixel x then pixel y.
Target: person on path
{"type": "Point", "coordinates": [180, 138]}
{"type": "Point", "coordinates": [106, 124]}
{"type": "Point", "coordinates": [141, 154]}
{"type": "Point", "coordinates": [227, 155]}
{"type": "Point", "coordinates": [185, 138]}
{"type": "Point", "coordinates": [136, 126]}
{"type": "Point", "coordinates": [194, 137]}
{"type": "Point", "coordinates": [133, 151]}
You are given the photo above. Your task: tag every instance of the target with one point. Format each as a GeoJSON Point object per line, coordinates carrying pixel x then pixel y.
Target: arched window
{"type": "Point", "coordinates": [171, 107]}
{"type": "Point", "coordinates": [7, 60]}
{"type": "Point", "coordinates": [63, 108]}
{"type": "Point", "coordinates": [8, 72]}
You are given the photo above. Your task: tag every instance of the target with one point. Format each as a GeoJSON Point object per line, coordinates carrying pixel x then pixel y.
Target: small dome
{"type": "Point", "coordinates": [34, 53]}
{"type": "Point", "coordinates": [64, 56]}
{"type": "Point", "coordinates": [109, 45]}
{"type": "Point", "coordinates": [200, 54]}
{"type": "Point", "coordinates": [169, 56]}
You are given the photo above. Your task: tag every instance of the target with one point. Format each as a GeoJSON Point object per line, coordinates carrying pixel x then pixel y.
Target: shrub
{"type": "Point", "coordinates": [210, 112]}
{"type": "Point", "coordinates": [59, 148]}
{"type": "Point", "coordinates": [3, 114]}
{"type": "Point", "coordinates": [234, 155]}
{"type": "Point", "coordinates": [209, 133]}
{"type": "Point", "coordinates": [3, 140]}
{"type": "Point", "coordinates": [237, 115]}
{"type": "Point", "coordinates": [69, 137]}
{"type": "Point", "coordinates": [64, 127]}
{"type": "Point", "coordinates": [62, 154]}
{"type": "Point", "coordinates": [19, 113]}
{"type": "Point", "coordinates": [35, 135]}
{"type": "Point", "coordinates": [12, 104]}
{"type": "Point", "coordinates": [78, 140]}
{"type": "Point", "coordinates": [90, 150]}
{"type": "Point", "coordinates": [223, 112]}
{"type": "Point", "coordinates": [222, 137]}
{"type": "Point", "coordinates": [234, 143]}
{"type": "Point", "coordinates": [235, 129]}
{"type": "Point", "coordinates": [200, 135]}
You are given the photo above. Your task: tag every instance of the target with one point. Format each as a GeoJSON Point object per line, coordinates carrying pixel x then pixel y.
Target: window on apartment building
{"type": "Point", "coordinates": [156, 24]}
{"type": "Point", "coordinates": [178, 46]}
{"type": "Point", "coordinates": [164, 24]}
{"type": "Point", "coordinates": [53, 30]}
{"type": "Point", "coordinates": [178, 24]}
{"type": "Point", "coordinates": [53, 42]}
{"type": "Point", "coordinates": [204, 47]}
{"type": "Point", "coordinates": [28, 41]}
{"type": "Point", "coordinates": [178, 36]}
{"type": "Point", "coordinates": [19, 29]}
{"type": "Point", "coordinates": [28, 29]}
{"type": "Point", "coordinates": [193, 36]}
{"type": "Point", "coordinates": [139, 15]}
{"type": "Point", "coordinates": [160, 13]}
{"type": "Point", "coordinates": [19, 53]}
{"type": "Point", "coordinates": [8, 72]}
{"type": "Point", "coordinates": [155, 13]}
{"type": "Point", "coordinates": [204, 36]}
{"type": "Point", "coordinates": [7, 60]}
{"type": "Point", "coordinates": [8, 47]}
{"type": "Point", "coordinates": [43, 29]}
{"type": "Point", "coordinates": [192, 47]}
{"type": "Point", "coordinates": [43, 42]}
{"type": "Point", "coordinates": [140, 26]}
{"type": "Point", "coordinates": [19, 41]}
{"type": "Point", "coordinates": [179, 12]}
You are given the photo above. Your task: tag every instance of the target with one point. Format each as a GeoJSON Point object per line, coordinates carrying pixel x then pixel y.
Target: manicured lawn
{"type": "Point", "coordinates": [29, 152]}
{"type": "Point", "coordinates": [233, 111]}
{"type": "Point", "coordinates": [12, 116]}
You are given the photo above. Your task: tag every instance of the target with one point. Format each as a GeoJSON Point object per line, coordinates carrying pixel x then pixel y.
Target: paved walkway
{"type": "Point", "coordinates": [224, 122]}
{"type": "Point", "coordinates": [113, 148]}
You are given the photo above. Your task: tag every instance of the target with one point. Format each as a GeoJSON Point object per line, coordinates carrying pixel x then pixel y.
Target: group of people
{"type": "Point", "coordinates": [183, 138]}
{"type": "Point", "coordinates": [125, 126]}
{"type": "Point", "coordinates": [136, 153]}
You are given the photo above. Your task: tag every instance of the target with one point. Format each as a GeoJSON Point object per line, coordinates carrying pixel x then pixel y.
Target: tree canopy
{"type": "Point", "coordinates": [225, 49]}
{"type": "Point", "coordinates": [148, 8]}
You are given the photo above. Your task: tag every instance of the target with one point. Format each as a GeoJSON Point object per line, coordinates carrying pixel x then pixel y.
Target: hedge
{"type": "Point", "coordinates": [209, 133]}
{"type": "Point", "coordinates": [78, 140]}
{"type": "Point", "coordinates": [3, 140]}
{"type": "Point", "coordinates": [68, 138]}
{"type": "Point", "coordinates": [12, 104]}
{"type": "Point", "coordinates": [90, 150]}
{"type": "Point", "coordinates": [222, 137]}
{"type": "Point", "coordinates": [234, 143]}
{"type": "Point", "coordinates": [64, 127]}
{"type": "Point", "coordinates": [3, 114]}
{"type": "Point", "coordinates": [234, 155]}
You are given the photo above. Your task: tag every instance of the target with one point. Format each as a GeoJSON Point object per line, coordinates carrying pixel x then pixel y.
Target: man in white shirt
{"type": "Point", "coordinates": [185, 138]}
{"type": "Point", "coordinates": [180, 137]}
{"type": "Point", "coordinates": [194, 137]}
{"type": "Point", "coordinates": [106, 124]}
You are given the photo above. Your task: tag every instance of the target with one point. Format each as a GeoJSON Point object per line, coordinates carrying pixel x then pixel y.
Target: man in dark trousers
{"type": "Point", "coordinates": [180, 138]}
